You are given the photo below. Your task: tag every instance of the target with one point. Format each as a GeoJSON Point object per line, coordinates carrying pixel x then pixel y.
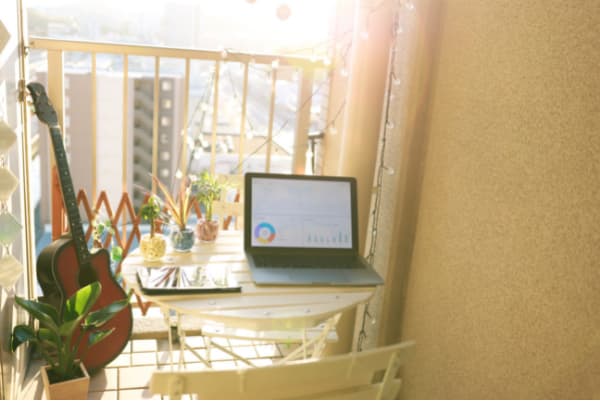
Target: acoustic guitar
{"type": "Point", "coordinates": [66, 264]}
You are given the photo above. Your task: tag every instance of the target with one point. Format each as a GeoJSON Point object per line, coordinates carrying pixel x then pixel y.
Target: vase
{"type": "Point", "coordinates": [207, 231]}
{"type": "Point", "coordinates": [76, 388]}
{"type": "Point", "coordinates": [153, 248]}
{"type": "Point", "coordinates": [182, 239]}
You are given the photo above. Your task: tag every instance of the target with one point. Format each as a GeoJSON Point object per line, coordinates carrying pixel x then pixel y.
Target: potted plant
{"type": "Point", "coordinates": [153, 246]}
{"type": "Point", "coordinates": [179, 207]}
{"type": "Point", "coordinates": [60, 335]}
{"type": "Point", "coordinates": [208, 189]}
{"type": "Point", "coordinates": [102, 228]}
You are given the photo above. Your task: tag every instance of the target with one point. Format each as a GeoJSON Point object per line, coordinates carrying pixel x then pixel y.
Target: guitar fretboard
{"type": "Point", "coordinates": [69, 199]}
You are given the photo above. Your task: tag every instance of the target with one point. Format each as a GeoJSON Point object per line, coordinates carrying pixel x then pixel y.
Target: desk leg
{"type": "Point", "coordinates": [183, 346]}
{"type": "Point", "coordinates": [320, 345]}
{"type": "Point", "coordinates": [345, 331]}
{"type": "Point", "coordinates": [316, 343]}
{"type": "Point", "coordinates": [166, 316]}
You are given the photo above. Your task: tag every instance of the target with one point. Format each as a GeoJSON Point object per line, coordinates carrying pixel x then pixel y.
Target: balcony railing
{"type": "Point", "coordinates": [153, 121]}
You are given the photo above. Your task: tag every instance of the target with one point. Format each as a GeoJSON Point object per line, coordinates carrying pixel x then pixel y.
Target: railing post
{"type": "Point", "coordinates": [269, 139]}
{"type": "Point", "coordinates": [303, 122]}
{"type": "Point", "coordinates": [56, 94]}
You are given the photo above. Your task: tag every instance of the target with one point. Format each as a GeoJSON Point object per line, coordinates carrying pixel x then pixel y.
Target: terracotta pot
{"type": "Point", "coordinates": [71, 389]}
{"type": "Point", "coordinates": [153, 248]}
{"type": "Point", "coordinates": [207, 231]}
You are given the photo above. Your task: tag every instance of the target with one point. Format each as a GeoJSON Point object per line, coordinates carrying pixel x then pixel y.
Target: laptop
{"type": "Point", "coordinates": [303, 230]}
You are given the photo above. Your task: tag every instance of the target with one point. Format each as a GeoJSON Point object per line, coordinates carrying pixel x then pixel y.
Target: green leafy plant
{"type": "Point", "coordinates": [180, 206]}
{"type": "Point", "coordinates": [151, 211]}
{"type": "Point", "coordinates": [102, 227]}
{"type": "Point", "coordinates": [208, 189]}
{"type": "Point", "coordinates": [56, 338]}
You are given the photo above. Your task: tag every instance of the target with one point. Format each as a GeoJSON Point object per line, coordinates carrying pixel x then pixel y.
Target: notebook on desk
{"type": "Point", "coordinates": [302, 230]}
{"type": "Point", "coordinates": [185, 279]}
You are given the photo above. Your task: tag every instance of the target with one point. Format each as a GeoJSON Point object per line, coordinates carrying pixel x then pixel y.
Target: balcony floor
{"type": "Point", "coordinates": [128, 376]}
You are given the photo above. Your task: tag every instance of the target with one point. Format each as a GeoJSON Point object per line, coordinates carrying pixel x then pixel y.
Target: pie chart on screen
{"type": "Point", "coordinates": [264, 232]}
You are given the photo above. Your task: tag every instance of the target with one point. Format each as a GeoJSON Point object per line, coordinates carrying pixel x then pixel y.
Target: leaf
{"type": "Point", "coordinates": [79, 305]}
{"type": "Point", "coordinates": [45, 335]}
{"type": "Point", "coordinates": [116, 253]}
{"type": "Point", "coordinates": [45, 313]}
{"type": "Point", "coordinates": [97, 336]}
{"type": "Point", "coordinates": [20, 335]}
{"type": "Point", "coordinates": [99, 317]}
{"type": "Point", "coordinates": [171, 204]}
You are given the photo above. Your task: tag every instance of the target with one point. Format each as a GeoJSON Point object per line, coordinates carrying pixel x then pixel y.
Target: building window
{"type": "Point", "coordinates": [166, 86]}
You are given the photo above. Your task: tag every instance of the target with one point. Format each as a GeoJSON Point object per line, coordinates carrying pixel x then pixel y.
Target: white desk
{"type": "Point", "coordinates": [258, 308]}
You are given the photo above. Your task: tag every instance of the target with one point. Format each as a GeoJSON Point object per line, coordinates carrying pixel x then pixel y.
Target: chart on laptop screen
{"type": "Point", "coordinates": [301, 213]}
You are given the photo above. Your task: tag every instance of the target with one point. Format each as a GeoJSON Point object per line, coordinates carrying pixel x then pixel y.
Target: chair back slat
{"type": "Point", "coordinates": [366, 374]}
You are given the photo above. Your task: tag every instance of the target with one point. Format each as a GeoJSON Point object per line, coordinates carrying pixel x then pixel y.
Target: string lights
{"type": "Point", "coordinates": [393, 82]}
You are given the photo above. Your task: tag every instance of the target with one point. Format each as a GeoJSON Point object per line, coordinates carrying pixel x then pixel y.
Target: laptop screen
{"type": "Point", "coordinates": [308, 212]}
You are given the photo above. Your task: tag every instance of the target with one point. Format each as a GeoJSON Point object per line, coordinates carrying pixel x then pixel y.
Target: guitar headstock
{"type": "Point", "coordinates": [42, 105]}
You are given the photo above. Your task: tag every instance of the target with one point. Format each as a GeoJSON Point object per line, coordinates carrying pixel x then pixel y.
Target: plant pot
{"type": "Point", "coordinates": [153, 248]}
{"type": "Point", "coordinates": [182, 240]}
{"type": "Point", "coordinates": [71, 389]}
{"type": "Point", "coordinates": [207, 231]}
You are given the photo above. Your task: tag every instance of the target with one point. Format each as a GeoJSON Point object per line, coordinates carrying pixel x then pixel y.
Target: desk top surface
{"type": "Point", "coordinates": [255, 307]}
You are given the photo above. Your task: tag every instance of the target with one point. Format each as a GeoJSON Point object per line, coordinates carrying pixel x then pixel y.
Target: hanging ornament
{"type": "Point", "coordinates": [283, 12]}
{"type": "Point", "coordinates": [10, 271]}
{"type": "Point", "coordinates": [7, 137]}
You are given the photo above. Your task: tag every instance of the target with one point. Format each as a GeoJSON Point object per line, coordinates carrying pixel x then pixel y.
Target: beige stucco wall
{"type": "Point", "coordinates": [503, 294]}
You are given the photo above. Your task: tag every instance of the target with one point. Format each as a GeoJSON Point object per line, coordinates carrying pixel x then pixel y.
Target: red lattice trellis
{"type": "Point", "coordinates": [124, 220]}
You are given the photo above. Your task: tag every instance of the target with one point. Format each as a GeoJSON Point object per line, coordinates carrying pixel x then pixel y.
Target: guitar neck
{"type": "Point", "coordinates": [69, 199]}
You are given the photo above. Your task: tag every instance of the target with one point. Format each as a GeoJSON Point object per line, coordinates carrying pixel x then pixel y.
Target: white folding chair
{"type": "Point", "coordinates": [371, 374]}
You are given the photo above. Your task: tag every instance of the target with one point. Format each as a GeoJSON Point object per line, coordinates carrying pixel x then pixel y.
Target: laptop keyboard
{"type": "Point", "coordinates": [272, 261]}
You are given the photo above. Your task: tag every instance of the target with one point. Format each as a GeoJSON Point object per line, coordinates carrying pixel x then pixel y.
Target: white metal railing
{"type": "Point", "coordinates": [56, 87]}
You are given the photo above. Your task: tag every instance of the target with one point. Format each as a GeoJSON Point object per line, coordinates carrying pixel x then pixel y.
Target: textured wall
{"type": "Point", "coordinates": [503, 296]}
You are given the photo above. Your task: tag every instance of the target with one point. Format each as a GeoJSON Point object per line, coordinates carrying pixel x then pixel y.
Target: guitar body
{"type": "Point", "coordinates": [59, 274]}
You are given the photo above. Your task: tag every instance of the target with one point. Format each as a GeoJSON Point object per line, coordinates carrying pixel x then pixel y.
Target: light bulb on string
{"type": "Point", "coordinates": [275, 64]}
{"type": "Point", "coordinates": [389, 124]}
{"type": "Point", "coordinates": [388, 170]}
{"type": "Point", "coordinates": [333, 130]}
{"type": "Point", "coordinates": [224, 53]}
{"type": "Point", "coordinates": [179, 174]}
{"type": "Point", "coordinates": [344, 72]}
